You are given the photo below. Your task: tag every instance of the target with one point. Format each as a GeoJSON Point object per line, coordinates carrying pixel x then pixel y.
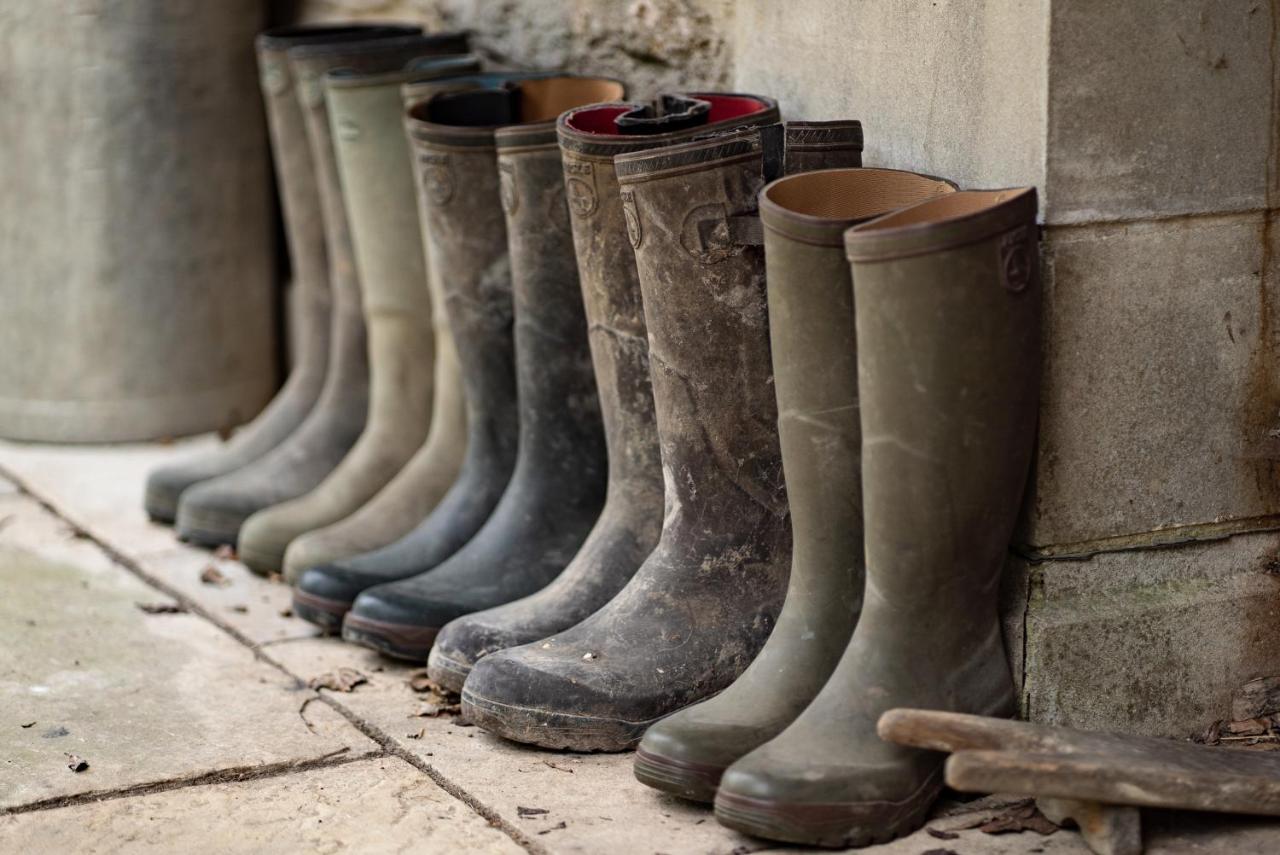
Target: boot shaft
{"type": "Point", "coordinates": [813, 343]}
{"type": "Point", "coordinates": [702, 278]}
{"type": "Point", "coordinates": [309, 64]}
{"type": "Point", "coordinates": [589, 138]}
{"type": "Point", "coordinates": [948, 325]}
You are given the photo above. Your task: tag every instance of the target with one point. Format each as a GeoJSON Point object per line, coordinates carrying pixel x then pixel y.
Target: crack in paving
{"type": "Point", "coordinates": [233, 775]}
{"type": "Point", "coordinates": [387, 745]}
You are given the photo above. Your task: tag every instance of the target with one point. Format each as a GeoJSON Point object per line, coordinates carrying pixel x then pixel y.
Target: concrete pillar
{"type": "Point", "coordinates": [1148, 583]}
{"type": "Point", "coordinates": [135, 234]}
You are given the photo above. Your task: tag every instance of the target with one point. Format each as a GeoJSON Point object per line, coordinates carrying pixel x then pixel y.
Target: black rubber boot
{"type": "Point", "coordinates": [811, 329]}
{"type": "Point", "coordinates": [629, 526]}
{"type": "Point", "coordinates": [948, 326]}
{"type": "Point", "coordinates": [465, 237]}
{"type": "Point", "coordinates": [558, 485]}
{"type": "Point", "coordinates": [700, 608]}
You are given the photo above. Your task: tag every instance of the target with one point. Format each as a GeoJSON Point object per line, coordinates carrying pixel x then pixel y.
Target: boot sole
{"type": "Point", "coordinates": [324, 613]}
{"type": "Point", "coordinates": [833, 824]}
{"type": "Point", "coordinates": [209, 530]}
{"type": "Point", "coordinates": [160, 507]}
{"type": "Point", "coordinates": [447, 672]}
{"type": "Point", "coordinates": [694, 781]}
{"type": "Point", "coordinates": [397, 640]}
{"type": "Point", "coordinates": [558, 731]}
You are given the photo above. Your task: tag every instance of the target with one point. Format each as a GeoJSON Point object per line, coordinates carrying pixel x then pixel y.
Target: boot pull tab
{"type": "Point", "coordinates": [673, 113]}
{"type": "Point", "coordinates": [745, 229]}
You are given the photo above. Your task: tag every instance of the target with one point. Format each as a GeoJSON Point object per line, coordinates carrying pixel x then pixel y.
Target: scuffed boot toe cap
{"type": "Point", "coordinates": [686, 757]}
{"type": "Point", "coordinates": [541, 700]}
{"type": "Point", "coordinates": [464, 642]}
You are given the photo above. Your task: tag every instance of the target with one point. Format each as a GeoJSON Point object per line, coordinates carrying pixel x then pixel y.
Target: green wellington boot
{"type": "Point", "coordinates": [948, 326]}
{"type": "Point", "coordinates": [214, 511]}
{"type": "Point", "coordinates": [467, 249]}
{"type": "Point", "coordinates": [304, 231]}
{"type": "Point", "coordinates": [811, 330]}
{"type": "Point", "coordinates": [700, 608]}
{"type": "Point", "coordinates": [559, 482]}
{"type": "Point", "coordinates": [409, 340]}
{"type": "Point", "coordinates": [629, 526]}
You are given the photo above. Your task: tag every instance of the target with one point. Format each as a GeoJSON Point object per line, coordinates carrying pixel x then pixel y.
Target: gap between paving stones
{"type": "Point", "coordinates": [341, 757]}
{"type": "Point", "coordinates": [389, 747]}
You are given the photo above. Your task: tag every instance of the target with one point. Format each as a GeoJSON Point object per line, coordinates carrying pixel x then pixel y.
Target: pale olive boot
{"type": "Point", "coordinates": [379, 188]}
{"type": "Point", "coordinates": [811, 329]}
{"type": "Point", "coordinates": [213, 511]}
{"type": "Point", "coordinates": [700, 608]}
{"type": "Point", "coordinates": [629, 526]}
{"type": "Point", "coordinates": [304, 233]}
{"type": "Point", "coordinates": [948, 327]}
{"type": "Point", "coordinates": [465, 237]}
{"type": "Point", "coordinates": [558, 486]}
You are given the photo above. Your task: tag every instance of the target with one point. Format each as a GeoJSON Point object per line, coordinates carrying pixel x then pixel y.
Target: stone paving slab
{"type": "Point", "coordinates": [373, 806]}
{"type": "Point", "coordinates": [141, 697]}
{"type": "Point", "coordinates": [100, 487]}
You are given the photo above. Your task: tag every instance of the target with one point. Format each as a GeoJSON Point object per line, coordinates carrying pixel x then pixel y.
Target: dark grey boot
{"type": "Point", "coordinates": [699, 609]}
{"type": "Point", "coordinates": [631, 521]}
{"type": "Point", "coordinates": [558, 485]}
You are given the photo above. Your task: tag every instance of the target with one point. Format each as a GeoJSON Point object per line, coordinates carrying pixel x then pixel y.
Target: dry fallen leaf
{"type": "Point", "coordinates": [939, 834]}
{"type": "Point", "coordinates": [226, 551]}
{"type": "Point", "coordinates": [559, 825]}
{"type": "Point", "coordinates": [1023, 816]}
{"type": "Point", "coordinates": [286, 613]}
{"type": "Point", "coordinates": [76, 764]}
{"type": "Point", "coordinates": [25, 725]}
{"type": "Point", "coordinates": [525, 812]}
{"type": "Point", "coordinates": [211, 575]}
{"type": "Point", "coordinates": [162, 608]}
{"type": "Point", "coordinates": [341, 680]}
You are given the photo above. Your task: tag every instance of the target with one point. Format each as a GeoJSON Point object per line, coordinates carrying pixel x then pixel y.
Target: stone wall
{"type": "Point", "coordinates": [1147, 587]}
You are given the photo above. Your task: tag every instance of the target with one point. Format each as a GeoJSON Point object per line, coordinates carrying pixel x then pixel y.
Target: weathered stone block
{"type": "Point", "coordinates": [1158, 107]}
{"type": "Point", "coordinates": [955, 89]}
{"type": "Point", "coordinates": [1155, 641]}
{"type": "Point", "coordinates": [1159, 403]}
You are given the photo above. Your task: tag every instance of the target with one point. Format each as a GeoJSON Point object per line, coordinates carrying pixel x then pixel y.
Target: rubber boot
{"type": "Point", "coordinates": [948, 326]}
{"type": "Point", "coordinates": [629, 526]}
{"type": "Point", "coordinates": [401, 322]}
{"type": "Point", "coordinates": [811, 330]}
{"type": "Point", "coordinates": [465, 237]}
{"type": "Point", "coordinates": [700, 608]}
{"type": "Point", "coordinates": [215, 510]}
{"type": "Point", "coordinates": [559, 482]}
{"type": "Point", "coordinates": [304, 232]}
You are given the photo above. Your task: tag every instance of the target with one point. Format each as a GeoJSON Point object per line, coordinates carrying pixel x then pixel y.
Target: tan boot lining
{"type": "Point", "coordinates": [544, 100]}
{"type": "Point", "coordinates": [853, 194]}
{"type": "Point", "coordinates": [952, 207]}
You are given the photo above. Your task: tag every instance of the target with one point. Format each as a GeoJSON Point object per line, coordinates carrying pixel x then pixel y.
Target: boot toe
{"type": "Point", "coordinates": [164, 487]}
{"type": "Point", "coordinates": [212, 513]}
{"type": "Point", "coordinates": [686, 757]}
{"type": "Point", "coordinates": [462, 643]}
{"type": "Point", "coordinates": [395, 621]}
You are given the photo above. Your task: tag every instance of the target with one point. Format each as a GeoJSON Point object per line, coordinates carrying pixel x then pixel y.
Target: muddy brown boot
{"type": "Point", "coordinates": [700, 608]}
{"type": "Point", "coordinates": [402, 321]}
{"type": "Point", "coordinates": [311, 452]}
{"type": "Point", "coordinates": [948, 326]}
{"type": "Point", "coordinates": [811, 329]}
{"type": "Point", "coordinates": [558, 485]}
{"type": "Point", "coordinates": [304, 231]}
{"type": "Point", "coordinates": [466, 244]}
{"type": "Point", "coordinates": [629, 526]}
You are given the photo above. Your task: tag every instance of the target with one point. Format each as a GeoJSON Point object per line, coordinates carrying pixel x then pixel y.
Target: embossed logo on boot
{"type": "Point", "coordinates": [632, 215]}
{"type": "Point", "coordinates": [580, 186]}
{"type": "Point", "coordinates": [437, 177]}
{"type": "Point", "coordinates": [1015, 259]}
{"type": "Point", "coordinates": [705, 233]}
{"type": "Point", "coordinates": [507, 186]}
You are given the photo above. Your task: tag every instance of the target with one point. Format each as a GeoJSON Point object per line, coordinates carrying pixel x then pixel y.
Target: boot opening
{"type": "Point", "coordinates": [853, 194]}
{"type": "Point", "coordinates": [957, 206]}
{"type": "Point", "coordinates": [602, 119]}
{"type": "Point", "coordinates": [517, 102]}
